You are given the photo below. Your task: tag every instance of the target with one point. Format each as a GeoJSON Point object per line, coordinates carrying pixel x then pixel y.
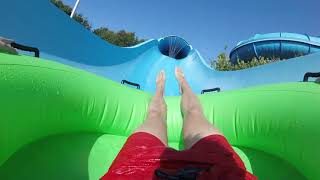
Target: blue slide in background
{"type": "Point", "coordinates": [275, 45]}
{"type": "Point", "coordinates": [40, 24]}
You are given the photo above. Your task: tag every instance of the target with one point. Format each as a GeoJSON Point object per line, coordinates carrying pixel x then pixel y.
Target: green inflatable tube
{"type": "Point", "coordinates": [58, 122]}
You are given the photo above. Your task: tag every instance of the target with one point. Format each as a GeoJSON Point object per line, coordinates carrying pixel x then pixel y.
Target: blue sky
{"type": "Point", "coordinates": [208, 25]}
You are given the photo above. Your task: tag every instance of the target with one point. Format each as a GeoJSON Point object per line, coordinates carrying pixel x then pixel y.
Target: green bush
{"type": "Point", "coordinates": [223, 63]}
{"type": "Point", "coordinates": [120, 38]}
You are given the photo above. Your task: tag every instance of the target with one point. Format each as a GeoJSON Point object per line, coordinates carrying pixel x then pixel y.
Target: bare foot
{"type": "Point", "coordinates": [160, 82]}
{"type": "Point", "coordinates": [180, 77]}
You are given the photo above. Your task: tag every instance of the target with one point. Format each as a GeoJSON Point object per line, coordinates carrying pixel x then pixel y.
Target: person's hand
{"type": "Point", "coordinates": [6, 48]}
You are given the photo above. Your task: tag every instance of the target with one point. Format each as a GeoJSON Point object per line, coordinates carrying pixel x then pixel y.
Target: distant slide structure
{"type": "Point", "coordinates": [275, 45]}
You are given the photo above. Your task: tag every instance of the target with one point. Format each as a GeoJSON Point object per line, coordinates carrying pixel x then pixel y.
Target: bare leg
{"type": "Point", "coordinates": [195, 124]}
{"type": "Point", "coordinates": [156, 121]}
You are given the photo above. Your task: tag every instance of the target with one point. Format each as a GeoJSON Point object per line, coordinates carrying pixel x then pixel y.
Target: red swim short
{"type": "Point", "coordinates": [144, 156]}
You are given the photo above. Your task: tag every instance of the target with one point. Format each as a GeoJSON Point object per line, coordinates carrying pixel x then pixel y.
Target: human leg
{"type": "Point", "coordinates": [156, 120]}
{"type": "Point", "coordinates": [195, 126]}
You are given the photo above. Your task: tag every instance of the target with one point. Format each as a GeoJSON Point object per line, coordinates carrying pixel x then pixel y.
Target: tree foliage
{"type": "Point", "coordinates": [223, 63]}
{"type": "Point", "coordinates": [67, 9]}
{"type": "Point", "coordinates": [120, 38]}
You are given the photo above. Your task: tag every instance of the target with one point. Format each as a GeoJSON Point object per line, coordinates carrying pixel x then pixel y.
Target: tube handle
{"type": "Point", "coordinates": [26, 48]}
{"type": "Point", "coordinates": [310, 74]}
{"type": "Point", "coordinates": [217, 89]}
{"type": "Point", "coordinates": [130, 83]}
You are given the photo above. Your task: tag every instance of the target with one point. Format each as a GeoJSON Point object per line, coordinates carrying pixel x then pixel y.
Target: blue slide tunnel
{"type": "Point", "coordinates": [275, 46]}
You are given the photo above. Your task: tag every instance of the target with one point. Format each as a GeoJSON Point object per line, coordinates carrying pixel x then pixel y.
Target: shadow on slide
{"type": "Point", "coordinates": [266, 166]}
{"type": "Point", "coordinates": [56, 157]}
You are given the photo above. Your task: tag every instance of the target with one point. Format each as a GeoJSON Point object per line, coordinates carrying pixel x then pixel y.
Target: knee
{"type": "Point", "coordinates": [194, 111]}
{"type": "Point", "coordinates": [158, 109]}
{"type": "Point", "coordinates": [155, 113]}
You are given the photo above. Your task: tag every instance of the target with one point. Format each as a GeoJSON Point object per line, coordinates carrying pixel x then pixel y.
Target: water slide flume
{"type": "Point", "coordinates": [62, 122]}
{"type": "Point", "coordinates": [66, 41]}
{"type": "Point", "coordinates": [275, 46]}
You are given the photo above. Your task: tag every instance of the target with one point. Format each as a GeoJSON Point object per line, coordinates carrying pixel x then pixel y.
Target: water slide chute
{"type": "Point", "coordinates": [40, 24]}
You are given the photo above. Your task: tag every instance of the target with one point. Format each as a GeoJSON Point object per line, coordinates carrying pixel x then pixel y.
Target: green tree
{"type": "Point", "coordinates": [223, 63]}
{"type": "Point", "coordinates": [67, 9]}
{"type": "Point", "coordinates": [120, 38]}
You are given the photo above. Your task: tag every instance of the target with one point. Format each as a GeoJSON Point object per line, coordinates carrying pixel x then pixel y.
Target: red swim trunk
{"type": "Point", "coordinates": [144, 156]}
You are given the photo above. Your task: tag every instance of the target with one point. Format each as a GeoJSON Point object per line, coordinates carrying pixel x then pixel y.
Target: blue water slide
{"type": "Point", "coordinates": [40, 24]}
{"type": "Point", "coordinates": [275, 45]}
